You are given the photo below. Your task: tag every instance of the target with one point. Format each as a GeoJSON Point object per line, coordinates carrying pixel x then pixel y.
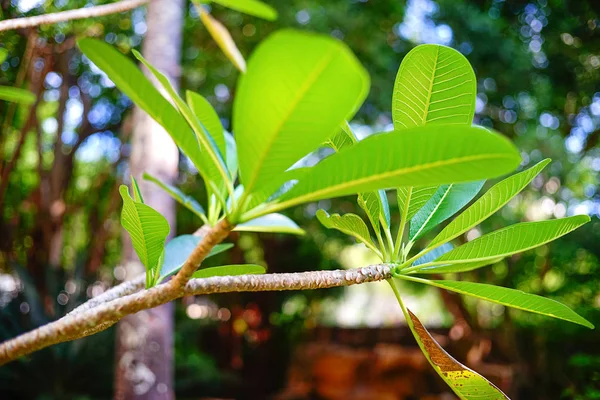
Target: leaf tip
{"type": "Point", "coordinates": [124, 191]}
{"type": "Point", "coordinates": [137, 55]}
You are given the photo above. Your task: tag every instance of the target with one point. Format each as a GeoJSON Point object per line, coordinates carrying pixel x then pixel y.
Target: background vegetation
{"type": "Point", "coordinates": [538, 69]}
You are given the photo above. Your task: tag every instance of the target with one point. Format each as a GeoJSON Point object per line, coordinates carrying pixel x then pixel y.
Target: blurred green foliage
{"type": "Point", "coordinates": [538, 69]}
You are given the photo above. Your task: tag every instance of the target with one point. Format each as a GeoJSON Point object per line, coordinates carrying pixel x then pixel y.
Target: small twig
{"type": "Point", "coordinates": [124, 289]}
{"type": "Point", "coordinates": [86, 12]}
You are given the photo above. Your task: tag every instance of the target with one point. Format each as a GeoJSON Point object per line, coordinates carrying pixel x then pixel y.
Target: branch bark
{"type": "Point", "coordinates": [124, 288]}
{"type": "Point", "coordinates": [86, 12]}
{"type": "Point", "coordinates": [92, 320]}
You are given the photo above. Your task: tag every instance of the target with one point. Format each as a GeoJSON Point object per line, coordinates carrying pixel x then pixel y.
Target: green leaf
{"type": "Point", "coordinates": [511, 240]}
{"type": "Point", "coordinates": [214, 171]}
{"type": "Point", "coordinates": [427, 155]}
{"type": "Point", "coordinates": [209, 118]}
{"type": "Point", "coordinates": [276, 188]}
{"type": "Point", "coordinates": [445, 202]}
{"type": "Point", "coordinates": [433, 254]}
{"type": "Point", "coordinates": [16, 95]}
{"type": "Point", "coordinates": [435, 84]}
{"type": "Point", "coordinates": [350, 224]}
{"type": "Point", "coordinates": [134, 84]}
{"type": "Point", "coordinates": [179, 249]}
{"type": "Point", "coordinates": [512, 298]}
{"type": "Point", "coordinates": [466, 383]}
{"type": "Point", "coordinates": [414, 197]}
{"type": "Point", "coordinates": [137, 193]}
{"type": "Point", "coordinates": [437, 252]}
{"type": "Point", "coordinates": [230, 270]}
{"type": "Point", "coordinates": [250, 7]}
{"type": "Point", "coordinates": [343, 138]}
{"type": "Point", "coordinates": [298, 89]}
{"type": "Point", "coordinates": [271, 223]}
{"type": "Point", "coordinates": [3, 54]}
{"type": "Point", "coordinates": [223, 38]}
{"type": "Point", "coordinates": [148, 230]}
{"type": "Point", "coordinates": [231, 152]}
{"type": "Point", "coordinates": [187, 201]}
{"type": "Point", "coordinates": [375, 205]}
{"type": "Point", "coordinates": [384, 215]}
{"type": "Point", "coordinates": [452, 268]}
{"type": "Point", "coordinates": [488, 204]}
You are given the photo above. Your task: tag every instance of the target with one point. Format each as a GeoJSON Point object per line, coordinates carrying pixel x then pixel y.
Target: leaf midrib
{"type": "Point", "coordinates": [429, 92]}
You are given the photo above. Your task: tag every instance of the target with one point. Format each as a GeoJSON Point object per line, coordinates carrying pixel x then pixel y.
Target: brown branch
{"type": "Point", "coordinates": [213, 237]}
{"type": "Point", "coordinates": [80, 324]}
{"type": "Point", "coordinates": [290, 281]}
{"type": "Point", "coordinates": [124, 289]}
{"type": "Point", "coordinates": [86, 12]}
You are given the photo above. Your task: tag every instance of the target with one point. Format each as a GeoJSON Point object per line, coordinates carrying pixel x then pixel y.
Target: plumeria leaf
{"type": "Point", "coordinates": [414, 197]}
{"type": "Point", "coordinates": [223, 38]}
{"type": "Point", "coordinates": [445, 202]}
{"type": "Point", "coordinates": [426, 155]}
{"type": "Point", "coordinates": [298, 89]}
{"type": "Point", "coordinates": [350, 224]}
{"type": "Point", "coordinates": [435, 84]}
{"type": "Point", "coordinates": [251, 7]}
{"type": "Point", "coordinates": [148, 230]}
{"type": "Point", "coordinates": [512, 298]}
{"type": "Point", "coordinates": [209, 118]}
{"type": "Point", "coordinates": [213, 168]}
{"type": "Point", "coordinates": [466, 383]}
{"type": "Point", "coordinates": [488, 204]}
{"type": "Point", "coordinates": [187, 201]}
{"type": "Point", "coordinates": [511, 240]}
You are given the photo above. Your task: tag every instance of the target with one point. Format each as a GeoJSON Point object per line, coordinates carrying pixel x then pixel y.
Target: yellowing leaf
{"type": "Point", "coordinates": [250, 7]}
{"type": "Point", "coordinates": [466, 383]}
{"type": "Point", "coordinates": [223, 38]}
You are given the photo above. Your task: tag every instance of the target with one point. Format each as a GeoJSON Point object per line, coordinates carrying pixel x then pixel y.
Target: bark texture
{"type": "Point", "coordinates": [144, 363]}
{"type": "Point", "coordinates": [104, 314]}
{"type": "Point", "coordinates": [86, 12]}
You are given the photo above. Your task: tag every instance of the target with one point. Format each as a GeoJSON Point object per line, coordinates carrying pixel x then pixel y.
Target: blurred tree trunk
{"type": "Point", "coordinates": [144, 363]}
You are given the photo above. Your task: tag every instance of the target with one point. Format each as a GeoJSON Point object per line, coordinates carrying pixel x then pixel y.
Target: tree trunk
{"type": "Point", "coordinates": [144, 363]}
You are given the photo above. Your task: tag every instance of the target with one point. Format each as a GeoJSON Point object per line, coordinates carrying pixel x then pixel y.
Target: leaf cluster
{"type": "Point", "coordinates": [296, 95]}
